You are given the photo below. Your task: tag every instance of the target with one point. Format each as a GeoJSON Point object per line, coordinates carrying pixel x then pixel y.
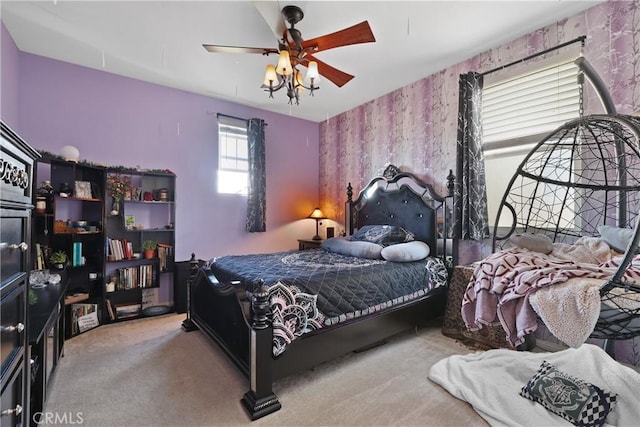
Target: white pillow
{"type": "Point", "coordinates": [617, 238]}
{"type": "Point", "coordinates": [533, 242]}
{"type": "Point", "coordinates": [343, 246]}
{"type": "Point", "coordinates": [406, 252]}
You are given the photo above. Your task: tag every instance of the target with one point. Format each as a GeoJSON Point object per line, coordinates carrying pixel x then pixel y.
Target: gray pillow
{"type": "Point", "coordinates": [384, 235]}
{"type": "Point", "coordinates": [617, 238]}
{"type": "Point", "coordinates": [533, 242]}
{"type": "Point", "coordinates": [344, 246]}
{"type": "Point", "coordinates": [406, 252]}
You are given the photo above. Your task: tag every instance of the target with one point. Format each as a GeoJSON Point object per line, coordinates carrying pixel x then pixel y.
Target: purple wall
{"type": "Point", "coordinates": [120, 121]}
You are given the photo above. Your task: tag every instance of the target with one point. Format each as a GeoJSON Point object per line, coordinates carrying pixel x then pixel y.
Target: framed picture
{"type": "Point", "coordinates": [82, 190]}
{"type": "Point", "coordinates": [129, 222]}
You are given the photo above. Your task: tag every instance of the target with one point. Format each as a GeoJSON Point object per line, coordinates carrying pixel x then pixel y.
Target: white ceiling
{"type": "Point", "coordinates": [161, 42]}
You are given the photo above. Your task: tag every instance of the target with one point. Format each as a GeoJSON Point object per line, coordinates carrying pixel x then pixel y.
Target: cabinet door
{"type": "Point", "coordinates": [13, 332]}
{"type": "Point", "coordinates": [11, 404]}
{"type": "Point", "coordinates": [13, 244]}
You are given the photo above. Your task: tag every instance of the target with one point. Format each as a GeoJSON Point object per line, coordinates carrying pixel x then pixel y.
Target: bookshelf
{"type": "Point", "coordinates": [103, 240]}
{"type": "Point", "coordinates": [70, 197]}
{"type": "Point", "coordinates": [146, 212]}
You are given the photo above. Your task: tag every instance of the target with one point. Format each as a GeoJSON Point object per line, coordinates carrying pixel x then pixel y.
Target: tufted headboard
{"type": "Point", "coordinates": [403, 199]}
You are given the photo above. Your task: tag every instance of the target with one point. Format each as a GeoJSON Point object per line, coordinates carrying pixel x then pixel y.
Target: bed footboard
{"type": "Point", "coordinates": [218, 311]}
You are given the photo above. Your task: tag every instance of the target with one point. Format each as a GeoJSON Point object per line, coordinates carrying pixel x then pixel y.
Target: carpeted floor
{"type": "Point", "coordinates": [148, 372]}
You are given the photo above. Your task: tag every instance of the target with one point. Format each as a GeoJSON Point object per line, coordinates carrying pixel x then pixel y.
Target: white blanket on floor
{"type": "Point", "coordinates": [491, 381]}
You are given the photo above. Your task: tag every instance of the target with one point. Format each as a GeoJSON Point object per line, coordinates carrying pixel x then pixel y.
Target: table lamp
{"type": "Point", "coordinates": [317, 215]}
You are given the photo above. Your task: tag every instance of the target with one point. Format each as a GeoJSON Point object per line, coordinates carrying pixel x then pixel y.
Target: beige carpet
{"type": "Point", "coordinates": [148, 372]}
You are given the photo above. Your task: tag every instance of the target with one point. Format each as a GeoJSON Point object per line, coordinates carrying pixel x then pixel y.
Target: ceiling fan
{"type": "Point", "coordinates": [293, 50]}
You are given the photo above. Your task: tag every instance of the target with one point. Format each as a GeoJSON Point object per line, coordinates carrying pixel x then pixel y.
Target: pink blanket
{"type": "Point", "coordinates": [499, 290]}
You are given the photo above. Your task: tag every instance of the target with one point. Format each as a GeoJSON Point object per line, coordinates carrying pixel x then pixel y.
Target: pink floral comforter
{"type": "Point", "coordinates": [498, 292]}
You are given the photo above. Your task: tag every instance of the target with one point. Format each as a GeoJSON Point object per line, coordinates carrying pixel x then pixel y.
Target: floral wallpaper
{"type": "Point", "coordinates": [415, 127]}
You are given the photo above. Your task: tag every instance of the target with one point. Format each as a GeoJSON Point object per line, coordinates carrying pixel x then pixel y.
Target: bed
{"type": "Point", "coordinates": [566, 239]}
{"type": "Point", "coordinates": [277, 314]}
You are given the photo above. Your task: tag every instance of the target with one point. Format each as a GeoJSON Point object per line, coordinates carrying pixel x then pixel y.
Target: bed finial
{"type": "Point", "coordinates": [451, 182]}
{"type": "Point", "coordinates": [260, 306]}
{"type": "Point", "coordinates": [349, 193]}
{"type": "Point", "coordinates": [391, 171]}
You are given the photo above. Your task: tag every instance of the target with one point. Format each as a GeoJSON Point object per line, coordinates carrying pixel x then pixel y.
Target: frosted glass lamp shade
{"type": "Point", "coordinates": [270, 76]}
{"type": "Point", "coordinates": [284, 64]}
{"type": "Point", "coordinates": [70, 153]}
{"type": "Point", "coordinates": [312, 72]}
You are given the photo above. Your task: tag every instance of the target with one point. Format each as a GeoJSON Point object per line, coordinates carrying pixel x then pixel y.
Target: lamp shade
{"type": "Point", "coordinates": [317, 214]}
{"type": "Point", "coordinates": [284, 64]}
{"type": "Point", "coordinates": [270, 76]}
{"type": "Point", "coordinates": [312, 72]}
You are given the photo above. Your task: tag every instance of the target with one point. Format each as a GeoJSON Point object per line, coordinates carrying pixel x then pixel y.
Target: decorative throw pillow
{"type": "Point", "coordinates": [344, 246]}
{"type": "Point", "coordinates": [384, 235]}
{"type": "Point", "coordinates": [533, 242]}
{"type": "Point", "coordinates": [406, 252]}
{"type": "Point", "coordinates": [577, 401]}
{"type": "Point", "coordinates": [617, 238]}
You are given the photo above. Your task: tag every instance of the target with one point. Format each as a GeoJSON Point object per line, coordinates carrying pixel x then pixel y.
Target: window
{"type": "Point", "coordinates": [517, 112]}
{"type": "Point", "coordinates": [233, 156]}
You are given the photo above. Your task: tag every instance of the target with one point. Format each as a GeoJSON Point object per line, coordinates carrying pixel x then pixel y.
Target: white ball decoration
{"type": "Point", "coordinates": [70, 153]}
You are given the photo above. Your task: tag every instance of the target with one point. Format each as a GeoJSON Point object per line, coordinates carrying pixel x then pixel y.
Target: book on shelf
{"type": "Point", "coordinates": [141, 276]}
{"type": "Point", "coordinates": [84, 316]}
{"type": "Point", "coordinates": [110, 309]}
{"type": "Point", "coordinates": [125, 310]}
{"type": "Point", "coordinates": [40, 257]}
{"type": "Point", "coordinates": [119, 249]}
{"type": "Point", "coordinates": [165, 252]}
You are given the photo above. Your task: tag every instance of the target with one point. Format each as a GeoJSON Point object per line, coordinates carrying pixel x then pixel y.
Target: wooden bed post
{"type": "Point", "coordinates": [187, 324]}
{"type": "Point", "coordinates": [260, 399]}
{"type": "Point", "coordinates": [348, 219]}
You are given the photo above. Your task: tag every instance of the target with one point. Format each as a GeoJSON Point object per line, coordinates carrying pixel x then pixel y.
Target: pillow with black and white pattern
{"type": "Point", "coordinates": [577, 401]}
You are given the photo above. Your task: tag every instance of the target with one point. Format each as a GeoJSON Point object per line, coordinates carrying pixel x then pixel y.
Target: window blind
{"type": "Point", "coordinates": [233, 151]}
{"type": "Point", "coordinates": [531, 104]}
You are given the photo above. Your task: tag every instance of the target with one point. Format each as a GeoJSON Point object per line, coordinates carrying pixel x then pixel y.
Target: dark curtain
{"type": "Point", "coordinates": [257, 192]}
{"type": "Point", "coordinates": [472, 219]}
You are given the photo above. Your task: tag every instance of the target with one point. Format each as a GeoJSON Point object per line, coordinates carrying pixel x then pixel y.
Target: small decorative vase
{"type": "Point", "coordinates": [115, 207]}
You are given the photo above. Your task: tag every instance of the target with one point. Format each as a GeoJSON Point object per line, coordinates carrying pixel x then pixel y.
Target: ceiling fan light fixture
{"type": "Point", "coordinates": [270, 76]}
{"type": "Point", "coordinates": [284, 67]}
{"type": "Point", "coordinates": [312, 72]}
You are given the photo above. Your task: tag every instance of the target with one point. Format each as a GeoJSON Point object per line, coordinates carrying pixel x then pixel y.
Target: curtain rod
{"type": "Point", "coordinates": [234, 117]}
{"type": "Point", "coordinates": [577, 39]}
{"type": "Point", "coordinates": [231, 117]}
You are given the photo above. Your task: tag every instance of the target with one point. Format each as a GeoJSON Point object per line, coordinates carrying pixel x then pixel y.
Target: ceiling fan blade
{"type": "Point", "coordinates": [238, 49]}
{"type": "Point", "coordinates": [359, 33]}
{"type": "Point", "coordinates": [339, 78]}
{"type": "Point", "coordinates": [270, 11]}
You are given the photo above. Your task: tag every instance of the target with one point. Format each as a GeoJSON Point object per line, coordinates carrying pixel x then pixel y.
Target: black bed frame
{"type": "Point", "coordinates": [242, 326]}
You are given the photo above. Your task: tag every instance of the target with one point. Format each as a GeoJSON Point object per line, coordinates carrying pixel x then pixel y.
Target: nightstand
{"type": "Point", "coordinates": [304, 244]}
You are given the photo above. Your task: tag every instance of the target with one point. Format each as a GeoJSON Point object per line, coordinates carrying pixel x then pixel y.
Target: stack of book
{"type": "Point", "coordinates": [165, 254]}
{"type": "Point", "coordinates": [126, 310]}
{"type": "Point", "coordinates": [141, 276]}
{"type": "Point", "coordinates": [119, 250]}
